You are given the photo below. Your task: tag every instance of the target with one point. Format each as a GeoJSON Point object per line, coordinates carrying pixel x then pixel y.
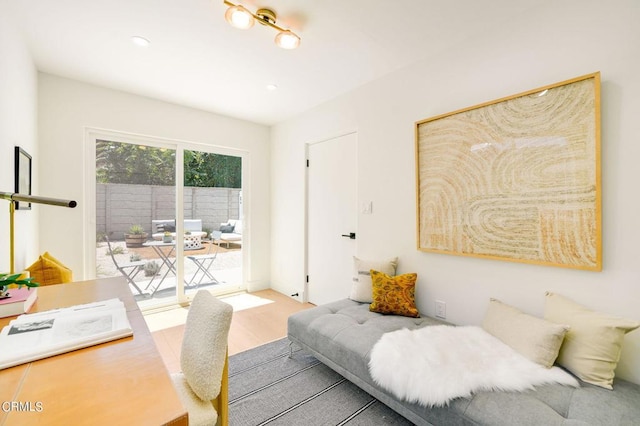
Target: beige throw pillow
{"type": "Point", "coordinates": [592, 347]}
{"type": "Point", "coordinates": [361, 289]}
{"type": "Point", "coordinates": [535, 338]}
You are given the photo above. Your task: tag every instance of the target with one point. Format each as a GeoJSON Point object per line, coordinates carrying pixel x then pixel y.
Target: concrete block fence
{"type": "Point", "coordinates": [118, 206]}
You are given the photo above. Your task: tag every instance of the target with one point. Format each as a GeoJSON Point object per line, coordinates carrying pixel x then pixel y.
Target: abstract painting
{"type": "Point", "coordinates": [515, 179]}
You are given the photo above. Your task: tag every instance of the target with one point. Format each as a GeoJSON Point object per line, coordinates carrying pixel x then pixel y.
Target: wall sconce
{"type": "Point", "coordinates": [13, 198]}
{"type": "Point", "coordinates": [238, 16]}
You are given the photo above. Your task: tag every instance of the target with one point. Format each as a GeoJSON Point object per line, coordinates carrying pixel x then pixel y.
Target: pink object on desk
{"type": "Point", "coordinates": [20, 301]}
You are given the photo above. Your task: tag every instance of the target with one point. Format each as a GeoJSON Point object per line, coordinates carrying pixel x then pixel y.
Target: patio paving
{"type": "Point", "coordinates": [227, 267]}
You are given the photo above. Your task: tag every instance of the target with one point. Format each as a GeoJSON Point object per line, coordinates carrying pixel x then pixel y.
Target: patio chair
{"type": "Point", "coordinates": [202, 385]}
{"type": "Point", "coordinates": [204, 261]}
{"type": "Point", "coordinates": [129, 270]}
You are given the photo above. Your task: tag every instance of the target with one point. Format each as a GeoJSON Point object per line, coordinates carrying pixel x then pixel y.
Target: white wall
{"type": "Point", "coordinates": [18, 127]}
{"type": "Point", "coordinates": [67, 107]}
{"type": "Point", "coordinates": [561, 40]}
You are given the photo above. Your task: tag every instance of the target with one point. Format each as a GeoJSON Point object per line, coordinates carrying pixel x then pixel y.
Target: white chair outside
{"type": "Point", "coordinates": [129, 270]}
{"type": "Point", "coordinates": [203, 383]}
{"type": "Point", "coordinates": [204, 262]}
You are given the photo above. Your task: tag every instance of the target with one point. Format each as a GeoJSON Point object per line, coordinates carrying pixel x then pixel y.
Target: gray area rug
{"type": "Point", "coordinates": [268, 387]}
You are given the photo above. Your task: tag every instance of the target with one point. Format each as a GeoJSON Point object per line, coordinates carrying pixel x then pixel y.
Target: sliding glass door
{"type": "Point", "coordinates": [168, 218]}
{"type": "Point", "coordinates": [212, 202]}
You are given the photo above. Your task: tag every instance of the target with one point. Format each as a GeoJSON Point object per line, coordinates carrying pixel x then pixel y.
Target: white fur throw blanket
{"type": "Point", "coordinates": [433, 365]}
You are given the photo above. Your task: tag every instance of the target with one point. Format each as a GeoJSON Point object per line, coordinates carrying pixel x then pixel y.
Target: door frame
{"type": "Point", "coordinates": [305, 293]}
{"type": "Point", "coordinates": [92, 135]}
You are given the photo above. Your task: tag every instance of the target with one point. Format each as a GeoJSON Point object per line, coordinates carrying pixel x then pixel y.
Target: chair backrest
{"type": "Point", "coordinates": [204, 346]}
{"type": "Point", "coordinates": [214, 248]}
{"type": "Point", "coordinates": [115, 262]}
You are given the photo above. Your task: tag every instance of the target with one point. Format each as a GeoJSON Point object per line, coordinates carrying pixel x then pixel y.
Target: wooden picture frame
{"type": "Point", "coordinates": [22, 169]}
{"type": "Point", "coordinates": [515, 179]}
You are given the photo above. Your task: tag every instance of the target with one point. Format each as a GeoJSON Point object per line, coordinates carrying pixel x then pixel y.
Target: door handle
{"type": "Point", "coordinates": [351, 235]}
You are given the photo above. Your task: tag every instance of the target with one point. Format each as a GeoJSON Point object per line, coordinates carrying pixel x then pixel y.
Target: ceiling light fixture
{"type": "Point", "coordinates": [238, 16]}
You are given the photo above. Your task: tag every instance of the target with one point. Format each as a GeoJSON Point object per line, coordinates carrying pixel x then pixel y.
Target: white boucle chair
{"type": "Point", "coordinates": [203, 383]}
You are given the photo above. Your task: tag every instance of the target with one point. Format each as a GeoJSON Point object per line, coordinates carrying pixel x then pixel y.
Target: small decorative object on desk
{"type": "Point", "coordinates": [167, 238]}
{"type": "Point", "coordinates": [15, 300]}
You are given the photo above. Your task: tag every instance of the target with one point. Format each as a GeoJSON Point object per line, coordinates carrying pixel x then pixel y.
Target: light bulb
{"type": "Point", "coordinates": [287, 40]}
{"type": "Point", "coordinates": [239, 17]}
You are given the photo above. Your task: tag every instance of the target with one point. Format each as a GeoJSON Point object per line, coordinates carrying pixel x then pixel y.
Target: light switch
{"type": "Point", "coordinates": [367, 207]}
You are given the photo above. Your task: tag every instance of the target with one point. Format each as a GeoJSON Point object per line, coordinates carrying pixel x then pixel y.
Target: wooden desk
{"type": "Point", "coordinates": [123, 382]}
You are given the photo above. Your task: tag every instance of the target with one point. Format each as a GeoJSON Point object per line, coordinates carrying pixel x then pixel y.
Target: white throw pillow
{"type": "Point", "coordinates": [592, 347]}
{"type": "Point", "coordinates": [362, 288]}
{"type": "Point", "coordinates": [535, 338]}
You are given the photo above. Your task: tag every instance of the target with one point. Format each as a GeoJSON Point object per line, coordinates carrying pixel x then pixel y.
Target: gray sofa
{"type": "Point", "coordinates": [341, 335]}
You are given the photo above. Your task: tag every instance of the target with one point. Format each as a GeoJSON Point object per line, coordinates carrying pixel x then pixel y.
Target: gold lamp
{"type": "Point", "coordinates": [15, 197]}
{"type": "Point", "coordinates": [240, 17]}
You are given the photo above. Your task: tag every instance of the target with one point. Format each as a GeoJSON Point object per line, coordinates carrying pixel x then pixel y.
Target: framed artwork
{"type": "Point", "coordinates": [515, 179]}
{"type": "Point", "coordinates": [22, 176]}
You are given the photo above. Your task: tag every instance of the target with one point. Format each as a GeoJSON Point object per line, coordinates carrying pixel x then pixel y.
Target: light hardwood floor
{"type": "Point", "coordinates": [250, 326]}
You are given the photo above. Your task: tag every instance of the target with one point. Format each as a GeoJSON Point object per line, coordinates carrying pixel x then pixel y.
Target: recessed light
{"type": "Point", "coordinates": [272, 87]}
{"type": "Point", "coordinates": [140, 41]}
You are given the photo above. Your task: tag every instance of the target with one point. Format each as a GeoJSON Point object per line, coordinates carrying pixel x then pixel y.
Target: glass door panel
{"type": "Point", "coordinates": [212, 202]}
{"type": "Point", "coordinates": [135, 218]}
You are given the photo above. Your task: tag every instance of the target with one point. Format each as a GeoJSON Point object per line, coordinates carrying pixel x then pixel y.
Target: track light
{"type": "Point", "coordinates": [238, 16]}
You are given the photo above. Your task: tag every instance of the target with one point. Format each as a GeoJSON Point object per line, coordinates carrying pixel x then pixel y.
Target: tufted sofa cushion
{"type": "Point", "coordinates": [341, 334]}
{"type": "Point", "coordinates": [347, 332]}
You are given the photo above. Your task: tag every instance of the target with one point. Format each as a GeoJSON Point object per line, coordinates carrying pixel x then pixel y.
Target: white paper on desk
{"type": "Point", "coordinates": [43, 334]}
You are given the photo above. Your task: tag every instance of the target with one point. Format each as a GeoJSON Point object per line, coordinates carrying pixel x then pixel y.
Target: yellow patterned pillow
{"type": "Point", "coordinates": [49, 270]}
{"type": "Point", "coordinates": [394, 295]}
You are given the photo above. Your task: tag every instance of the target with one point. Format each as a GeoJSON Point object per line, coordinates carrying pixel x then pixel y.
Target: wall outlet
{"type": "Point", "coordinates": [441, 309]}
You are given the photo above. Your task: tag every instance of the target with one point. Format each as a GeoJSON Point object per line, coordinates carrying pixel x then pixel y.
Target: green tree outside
{"type": "Point", "coordinates": [118, 162]}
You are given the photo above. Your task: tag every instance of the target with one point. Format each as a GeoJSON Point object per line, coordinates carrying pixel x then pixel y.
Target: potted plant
{"type": "Point", "coordinates": [207, 232]}
{"type": "Point", "coordinates": [151, 268]}
{"type": "Point", "coordinates": [167, 238]}
{"type": "Point", "coordinates": [136, 236]}
{"type": "Point", "coordinates": [8, 279]}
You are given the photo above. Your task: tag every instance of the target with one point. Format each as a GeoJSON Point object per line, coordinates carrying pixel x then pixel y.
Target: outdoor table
{"type": "Point", "coordinates": [193, 241]}
{"type": "Point", "coordinates": [164, 257]}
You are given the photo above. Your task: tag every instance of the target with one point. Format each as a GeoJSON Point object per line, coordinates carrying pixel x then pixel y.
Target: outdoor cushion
{"type": "Point", "coordinates": [226, 228]}
{"type": "Point", "coordinates": [235, 236]}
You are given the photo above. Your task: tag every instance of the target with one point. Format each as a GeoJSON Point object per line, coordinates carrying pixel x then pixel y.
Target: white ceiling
{"type": "Point", "coordinates": [196, 59]}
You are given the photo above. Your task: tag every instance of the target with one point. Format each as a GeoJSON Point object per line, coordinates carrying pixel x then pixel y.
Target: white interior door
{"type": "Point", "coordinates": [332, 214]}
